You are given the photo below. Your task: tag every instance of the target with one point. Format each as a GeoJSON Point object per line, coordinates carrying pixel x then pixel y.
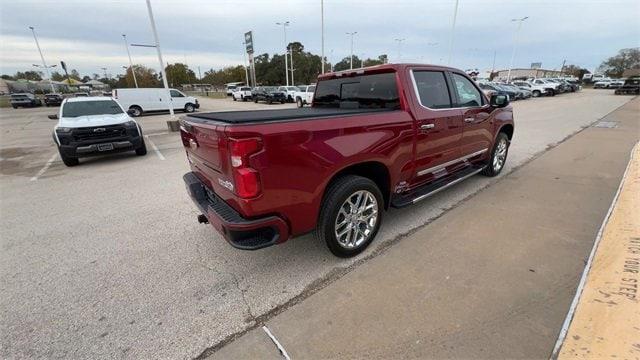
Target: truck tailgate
{"type": "Point", "coordinates": [203, 143]}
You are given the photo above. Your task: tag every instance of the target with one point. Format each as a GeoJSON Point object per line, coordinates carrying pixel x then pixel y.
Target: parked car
{"type": "Point", "coordinates": [602, 84]}
{"type": "Point", "coordinates": [81, 94]}
{"type": "Point", "coordinates": [537, 90]}
{"type": "Point", "coordinates": [385, 136]}
{"type": "Point", "coordinates": [289, 91]}
{"type": "Point", "coordinates": [513, 94]}
{"type": "Point", "coordinates": [631, 86]}
{"type": "Point", "coordinates": [520, 94]}
{"type": "Point", "coordinates": [89, 126]}
{"type": "Point", "coordinates": [242, 93]}
{"type": "Point", "coordinates": [268, 94]}
{"type": "Point", "coordinates": [305, 95]}
{"type": "Point", "coordinates": [491, 89]}
{"type": "Point", "coordinates": [550, 88]}
{"type": "Point", "coordinates": [142, 100]}
{"type": "Point", "coordinates": [53, 99]}
{"type": "Point", "coordinates": [526, 91]}
{"type": "Point", "coordinates": [24, 100]}
{"type": "Point", "coordinates": [562, 88]}
{"type": "Point", "coordinates": [231, 89]}
{"type": "Point", "coordinates": [616, 84]}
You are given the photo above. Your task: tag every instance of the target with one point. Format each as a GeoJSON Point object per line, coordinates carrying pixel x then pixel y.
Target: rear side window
{"type": "Point", "coordinates": [377, 91]}
{"type": "Point", "coordinates": [432, 89]}
{"type": "Point", "coordinates": [311, 89]}
{"type": "Point", "coordinates": [468, 95]}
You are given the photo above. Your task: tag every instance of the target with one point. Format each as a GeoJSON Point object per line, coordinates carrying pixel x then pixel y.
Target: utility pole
{"type": "Point", "coordinates": [493, 66]}
{"type": "Point", "coordinates": [246, 70]}
{"type": "Point", "coordinates": [44, 64]}
{"type": "Point", "coordinates": [291, 54]}
{"type": "Point", "coordinates": [286, 65]}
{"type": "Point", "coordinates": [157, 46]}
{"type": "Point", "coordinates": [105, 72]}
{"type": "Point", "coordinates": [351, 33]}
{"type": "Point", "coordinates": [399, 47]}
{"type": "Point", "coordinates": [453, 28]}
{"type": "Point", "coordinates": [515, 41]}
{"type": "Point", "coordinates": [322, 31]}
{"type": "Point", "coordinates": [562, 68]}
{"type": "Point", "coordinates": [126, 46]}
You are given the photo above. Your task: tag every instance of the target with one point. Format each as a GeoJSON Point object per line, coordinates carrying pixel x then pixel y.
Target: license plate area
{"type": "Point", "coordinates": [105, 147]}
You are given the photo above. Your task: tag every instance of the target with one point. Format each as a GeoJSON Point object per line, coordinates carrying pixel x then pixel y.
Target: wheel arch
{"type": "Point", "coordinates": [372, 170]}
{"type": "Point", "coordinates": [507, 129]}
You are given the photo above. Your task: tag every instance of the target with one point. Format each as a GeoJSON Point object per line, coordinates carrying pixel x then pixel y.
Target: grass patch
{"type": "Point", "coordinates": [5, 101]}
{"type": "Point", "coordinates": [210, 94]}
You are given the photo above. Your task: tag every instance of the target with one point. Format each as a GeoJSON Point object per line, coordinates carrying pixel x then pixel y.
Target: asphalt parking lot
{"type": "Point", "coordinates": [107, 259]}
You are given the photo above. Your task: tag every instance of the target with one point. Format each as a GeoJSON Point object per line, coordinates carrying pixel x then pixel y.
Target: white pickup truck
{"type": "Point", "coordinates": [305, 95]}
{"type": "Point", "coordinates": [89, 126]}
{"type": "Point", "coordinates": [242, 93]}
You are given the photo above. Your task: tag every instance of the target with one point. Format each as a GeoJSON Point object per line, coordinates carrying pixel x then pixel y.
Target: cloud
{"type": "Point", "coordinates": [87, 34]}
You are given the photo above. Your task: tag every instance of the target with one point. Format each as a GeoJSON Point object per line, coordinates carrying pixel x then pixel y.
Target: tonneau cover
{"type": "Point", "coordinates": [239, 117]}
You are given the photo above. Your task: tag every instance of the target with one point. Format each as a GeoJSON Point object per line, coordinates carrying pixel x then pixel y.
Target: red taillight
{"type": "Point", "coordinates": [246, 179]}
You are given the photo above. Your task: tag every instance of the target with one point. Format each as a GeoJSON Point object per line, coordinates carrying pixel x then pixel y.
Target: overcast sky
{"type": "Point", "coordinates": [209, 34]}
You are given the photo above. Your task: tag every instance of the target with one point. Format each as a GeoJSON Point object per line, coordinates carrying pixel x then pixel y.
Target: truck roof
{"type": "Point", "coordinates": [381, 68]}
{"type": "Point", "coordinates": [88, 98]}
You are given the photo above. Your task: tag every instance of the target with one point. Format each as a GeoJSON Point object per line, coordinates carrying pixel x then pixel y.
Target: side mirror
{"type": "Point", "coordinates": [53, 117]}
{"type": "Point", "coordinates": [131, 112]}
{"type": "Point", "coordinates": [499, 101]}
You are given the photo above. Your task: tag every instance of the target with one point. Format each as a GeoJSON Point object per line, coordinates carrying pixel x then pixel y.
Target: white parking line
{"type": "Point", "coordinates": [155, 148]}
{"type": "Point", "coordinates": [46, 166]}
{"type": "Point", "coordinates": [158, 133]}
{"type": "Point", "coordinates": [275, 341]}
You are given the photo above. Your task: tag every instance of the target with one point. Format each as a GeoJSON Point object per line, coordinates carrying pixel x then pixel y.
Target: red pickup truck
{"type": "Point", "coordinates": [379, 137]}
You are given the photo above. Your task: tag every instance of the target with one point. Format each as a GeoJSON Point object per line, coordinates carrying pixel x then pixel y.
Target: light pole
{"type": "Point", "coordinates": [126, 46]}
{"type": "Point", "coordinates": [515, 40]}
{"type": "Point", "coordinates": [49, 66]}
{"type": "Point", "coordinates": [286, 61]}
{"type": "Point", "coordinates": [157, 46]}
{"type": "Point", "coordinates": [399, 47]}
{"type": "Point", "coordinates": [105, 72]}
{"type": "Point", "coordinates": [291, 54]}
{"type": "Point", "coordinates": [246, 70]}
{"type": "Point", "coordinates": [322, 32]}
{"type": "Point", "coordinates": [44, 64]}
{"type": "Point", "coordinates": [351, 33]}
{"type": "Point", "coordinates": [453, 27]}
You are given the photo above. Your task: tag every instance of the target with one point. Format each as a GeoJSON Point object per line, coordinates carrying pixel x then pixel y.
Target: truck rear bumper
{"type": "Point", "coordinates": [240, 232]}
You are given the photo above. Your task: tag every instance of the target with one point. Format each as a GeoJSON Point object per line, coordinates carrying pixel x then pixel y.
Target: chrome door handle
{"type": "Point", "coordinates": [427, 126]}
{"type": "Point", "coordinates": [469, 119]}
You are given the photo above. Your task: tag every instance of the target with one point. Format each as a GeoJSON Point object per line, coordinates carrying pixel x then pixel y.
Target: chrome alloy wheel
{"type": "Point", "coordinates": [500, 155]}
{"type": "Point", "coordinates": [356, 219]}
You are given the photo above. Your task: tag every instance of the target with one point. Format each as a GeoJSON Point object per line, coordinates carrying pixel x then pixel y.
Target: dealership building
{"type": "Point", "coordinates": [526, 73]}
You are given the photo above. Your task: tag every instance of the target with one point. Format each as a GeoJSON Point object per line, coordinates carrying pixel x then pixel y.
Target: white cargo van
{"type": "Point", "coordinates": [143, 100]}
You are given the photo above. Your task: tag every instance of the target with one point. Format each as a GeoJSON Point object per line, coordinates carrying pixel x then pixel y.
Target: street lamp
{"type": "Point", "coordinates": [399, 47]}
{"type": "Point", "coordinates": [453, 27]}
{"type": "Point", "coordinates": [351, 33]}
{"type": "Point", "coordinates": [322, 32]}
{"type": "Point", "coordinates": [286, 65]}
{"type": "Point", "coordinates": [157, 46]}
{"type": "Point", "coordinates": [126, 46]}
{"type": "Point", "coordinates": [515, 40]}
{"type": "Point", "coordinates": [44, 64]}
{"type": "Point", "coordinates": [105, 72]}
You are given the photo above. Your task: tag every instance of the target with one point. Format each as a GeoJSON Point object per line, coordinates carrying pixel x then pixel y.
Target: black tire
{"type": "Point", "coordinates": [335, 196]}
{"type": "Point", "coordinates": [244, 99]}
{"type": "Point", "coordinates": [299, 102]}
{"type": "Point", "coordinates": [142, 150]}
{"type": "Point", "coordinates": [137, 110]}
{"type": "Point", "coordinates": [69, 161]}
{"type": "Point", "coordinates": [234, 98]}
{"type": "Point", "coordinates": [255, 100]}
{"type": "Point", "coordinates": [552, 93]}
{"type": "Point", "coordinates": [13, 106]}
{"type": "Point", "coordinates": [536, 93]}
{"type": "Point", "coordinates": [282, 102]}
{"type": "Point", "coordinates": [269, 102]}
{"type": "Point", "coordinates": [491, 170]}
{"type": "Point", "coordinates": [189, 107]}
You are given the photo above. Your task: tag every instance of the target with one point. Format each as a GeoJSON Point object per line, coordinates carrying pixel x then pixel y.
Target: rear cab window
{"type": "Point", "coordinates": [370, 91]}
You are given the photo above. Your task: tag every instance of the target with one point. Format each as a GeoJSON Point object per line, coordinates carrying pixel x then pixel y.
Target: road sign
{"type": "Point", "coordinates": [536, 65]}
{"type": "Point", "coordinates": [248, 40]}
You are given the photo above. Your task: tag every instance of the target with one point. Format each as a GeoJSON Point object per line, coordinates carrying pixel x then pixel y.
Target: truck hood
{"type": "Point", "coordinates": [93, 120]}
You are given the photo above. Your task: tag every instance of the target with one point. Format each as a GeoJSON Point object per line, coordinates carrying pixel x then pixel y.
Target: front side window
{"type": "Point", "coordinates": [88, 108]}
{"type": "Point", "coordinates": [376, 91]}
{"type": "Point", "coordinates": [176, 93]}
{"type": "Point", "coordinates": [468, 95]}
{"type": "Point", "coordinates": [311, 89]}
{"type": "Point", "coordinates": [432, 89]}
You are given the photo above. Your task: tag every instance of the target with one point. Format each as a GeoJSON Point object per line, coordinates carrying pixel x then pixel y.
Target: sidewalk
{"type": "Point", "coordinates": [606, 323]}
{"type": "Point", "coordinates": [492, 278]}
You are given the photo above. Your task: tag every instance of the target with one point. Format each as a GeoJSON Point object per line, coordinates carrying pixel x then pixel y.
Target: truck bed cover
{"type": "Point", "coordinates": [239, 117]}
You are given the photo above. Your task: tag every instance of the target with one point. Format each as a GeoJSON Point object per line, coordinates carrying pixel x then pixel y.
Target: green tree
{"type": "Point", "coordinates": [146, 78]}
{"type": "Point", "coordinates": [56, 76]}
{"type": "Point", "coordinates": [7, 77]}
{"type": "Point", "coordinates": [28, 75]}
{"type": "Point", "coordinates": [225, 75]}
{"type": "Point", "coordinates": [625, 59]}
{"type": "Point", "coordinates": [75, 75]}
{"type": "Point", "coordinates": [179, 74]}
{"type": "Point", "coordinates": [575, 70]}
